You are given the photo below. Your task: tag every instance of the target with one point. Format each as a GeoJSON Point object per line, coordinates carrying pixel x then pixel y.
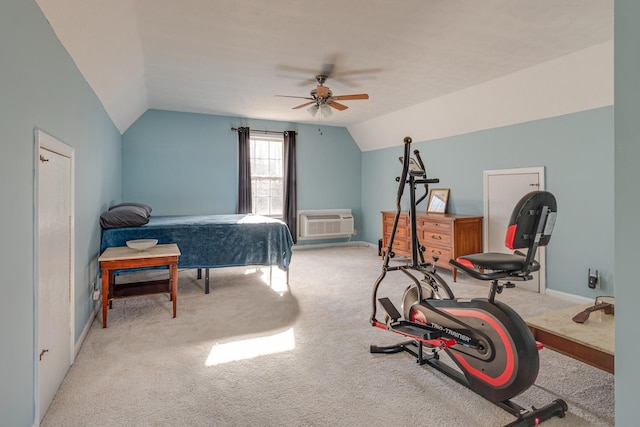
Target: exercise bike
{"type": "Point", "coordinates": [491, 345]}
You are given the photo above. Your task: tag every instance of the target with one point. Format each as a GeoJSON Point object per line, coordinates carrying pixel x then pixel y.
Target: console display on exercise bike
{"type": "Point", "coordinates": [491, 345]}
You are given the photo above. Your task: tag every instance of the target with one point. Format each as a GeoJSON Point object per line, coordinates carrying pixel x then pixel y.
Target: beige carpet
{"type": "Point", "coordinates": [310, 363]}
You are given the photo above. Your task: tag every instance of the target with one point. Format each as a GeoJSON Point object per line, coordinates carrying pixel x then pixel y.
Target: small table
{"type": "Point", "coordinates": [591, 342]}
{"type": "Point", "coordinates": [122, 258]}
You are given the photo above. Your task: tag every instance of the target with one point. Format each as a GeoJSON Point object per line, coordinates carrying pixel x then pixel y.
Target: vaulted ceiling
{"type": "Point", "coordinates": [231, 57]}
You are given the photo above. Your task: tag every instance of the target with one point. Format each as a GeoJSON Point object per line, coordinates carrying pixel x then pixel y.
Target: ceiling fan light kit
{"type": "Point", "coordinates": [324, 109]}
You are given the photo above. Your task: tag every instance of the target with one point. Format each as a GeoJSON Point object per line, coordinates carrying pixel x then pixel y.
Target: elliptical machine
{"type": "Point", "coordinates": [491, 345]}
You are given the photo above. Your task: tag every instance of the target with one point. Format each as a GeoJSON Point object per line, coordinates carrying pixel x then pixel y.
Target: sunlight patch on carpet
{"type": "Point", "coordinates": [275, 278]}
{"type": "Point", "coordinates": [251, 348]}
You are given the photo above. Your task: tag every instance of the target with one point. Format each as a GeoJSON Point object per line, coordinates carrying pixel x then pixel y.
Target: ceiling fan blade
{"type": "Point", "coordinates": [303, 105]}
{"type": "Point", "coordinates": [345, 77]}
{"type": "Point", "coordinates": [299, 70]}
{"type": "Point", "coordinates": [351, 97]}
{"type": "Point", "coordinates": [327, 69]}
{"type": "Point", "coordinates": [289, 96]}
{"type": "Point", "coordinates": [357, 72]}
{"type": "Point", "coordinates": [337, 105]}
{"type": "Point", "coordinates": [295, 69]}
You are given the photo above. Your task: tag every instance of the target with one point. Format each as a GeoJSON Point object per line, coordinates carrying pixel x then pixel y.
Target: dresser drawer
{"type": "Point", "coordinates": [437, 226]}
{"type": "Point", "coordinates": [388, 218]}
{"type": "Point", "coordinates": [444, 254]}
{"type": "Point", "coordinates": [400, 246]}
{"type": "Point", "coordinates": [402, 240]}
{"type": "Point", "coordinates": [402, 232]}
{"type": "Point", "coordinates": [434, 237]}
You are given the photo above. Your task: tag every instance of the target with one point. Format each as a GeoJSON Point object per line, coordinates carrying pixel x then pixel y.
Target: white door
{"type": "Point", "coordinates": [503, 189]}
{"type": "Point", "coordinates": [55, 331]}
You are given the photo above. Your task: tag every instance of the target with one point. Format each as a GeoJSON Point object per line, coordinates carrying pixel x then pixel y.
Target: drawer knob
{"type": "Point", "coordinates": [436, 237]}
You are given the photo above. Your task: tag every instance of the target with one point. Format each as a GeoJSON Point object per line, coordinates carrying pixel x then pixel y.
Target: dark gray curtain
{"type": "Point", "coordinates": [244, 171]}
{"type": "Point", "coordinates": [290, 183]}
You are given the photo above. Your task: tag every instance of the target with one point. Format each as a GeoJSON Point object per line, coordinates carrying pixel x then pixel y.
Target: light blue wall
{"type": "Point", "coordinates": [577, 153]}
{"type": "Point", "coordinates": [627, 206]}
{"type": "Point", "coordinates": [186, 164]}
{"type": "Point", "coordinates": [40, 87]}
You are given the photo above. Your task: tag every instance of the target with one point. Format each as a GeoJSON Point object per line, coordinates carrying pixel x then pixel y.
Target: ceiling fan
{"type": "Point", "coordinates": [321, 98]}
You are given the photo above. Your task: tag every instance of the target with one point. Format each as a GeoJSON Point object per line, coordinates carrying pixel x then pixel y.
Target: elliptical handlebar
{"type": "Point", "coordinates": [401, 183]}
{"type": "Point", "coordinates": [406, 167]}
{"type": "Point", "coordinates": [426, 181]}
{"type": "Point", "coordinates": [413, 173]}
{"type": "Point", "coordinates": [405, 171]}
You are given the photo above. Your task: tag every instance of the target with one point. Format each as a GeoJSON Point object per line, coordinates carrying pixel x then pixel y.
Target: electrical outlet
{"type": "Point", "coordinates": [593, 280]}
{"type": "Point", "coordinates": [96, 291]}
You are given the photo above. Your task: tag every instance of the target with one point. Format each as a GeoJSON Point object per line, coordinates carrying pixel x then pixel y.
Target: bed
{"type": "Point", "coordinates": [214, 241]}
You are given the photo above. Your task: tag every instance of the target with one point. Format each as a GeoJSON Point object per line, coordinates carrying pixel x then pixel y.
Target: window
{"type": "Point", "coordinates": [267, 175]}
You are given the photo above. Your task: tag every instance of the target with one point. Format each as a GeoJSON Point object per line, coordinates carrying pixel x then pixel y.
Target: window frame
{"type": "Point", "coordinates": [253, 141]}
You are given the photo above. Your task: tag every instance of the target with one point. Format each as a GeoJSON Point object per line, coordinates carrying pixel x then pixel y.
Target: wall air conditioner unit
{"type": "Point", "coordinates": [325, 223]}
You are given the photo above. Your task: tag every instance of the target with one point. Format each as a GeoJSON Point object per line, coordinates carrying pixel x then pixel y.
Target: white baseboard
{"type": "Point", "coordinates": [86, 328]}
{"type": "Point", "coordinates": [330, 245]}
{"type": "Point", "coordinates": [577, 299]}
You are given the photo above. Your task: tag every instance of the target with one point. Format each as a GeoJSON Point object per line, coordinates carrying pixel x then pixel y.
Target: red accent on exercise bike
{"type": "Point", "coordinates": [465, 262]}
{"type": "Point", "coordinates": [419, 317]}
{"type": "Point", "coordinates": [508, 239]}
{"type": "Point", "coordinates": [438, 342]}
{"type": "Point", "coordinates": [507, 373]}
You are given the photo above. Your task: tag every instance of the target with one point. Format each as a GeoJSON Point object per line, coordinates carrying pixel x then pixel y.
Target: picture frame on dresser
{"type": "Point", "coordinates": [438, 199]}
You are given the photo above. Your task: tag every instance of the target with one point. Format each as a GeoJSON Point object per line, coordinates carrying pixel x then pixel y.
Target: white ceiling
{"type": "Point", "coordinates": [230, 57]}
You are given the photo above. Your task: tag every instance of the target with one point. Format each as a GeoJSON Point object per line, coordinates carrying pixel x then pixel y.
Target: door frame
{"type": "Point", "coordinates": [44, 140]}
{"type": "Point", "coordinates": [542, 273]}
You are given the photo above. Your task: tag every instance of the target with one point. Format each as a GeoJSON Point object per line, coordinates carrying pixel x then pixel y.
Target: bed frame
{"type": "Point", "coordinates": [214, 241]}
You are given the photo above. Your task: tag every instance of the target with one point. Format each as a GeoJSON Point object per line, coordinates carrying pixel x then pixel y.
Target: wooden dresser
{"type": "Point", "coordinates": [444, 235]}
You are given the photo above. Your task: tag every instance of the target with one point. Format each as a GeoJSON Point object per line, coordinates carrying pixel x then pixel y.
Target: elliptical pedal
{"type": "Point", "coordinates": [389, 308]}
{"type": "Point", "coordinates": [417, 330]}
{"type": "Point", "coordinates": [407, 328]}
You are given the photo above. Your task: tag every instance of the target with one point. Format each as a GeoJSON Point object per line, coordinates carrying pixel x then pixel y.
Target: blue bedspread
{"type": "Point", "coordinates": [212, 241]}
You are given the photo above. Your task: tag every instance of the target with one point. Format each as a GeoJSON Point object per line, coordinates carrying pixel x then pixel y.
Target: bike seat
{"type": "Point", "coordinates": [530, 226]}
{"type": "Point", "coordinates": [496, 261]}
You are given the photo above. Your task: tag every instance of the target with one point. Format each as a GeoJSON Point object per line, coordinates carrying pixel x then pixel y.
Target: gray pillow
{"type": "Point", "coordinates": [147, 208]}
{"type": "Point", "coordinates": [124, 216]}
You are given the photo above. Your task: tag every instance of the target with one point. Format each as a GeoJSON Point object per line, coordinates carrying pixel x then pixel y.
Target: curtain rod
{"type": "Point", "coordinates": [272, 132]}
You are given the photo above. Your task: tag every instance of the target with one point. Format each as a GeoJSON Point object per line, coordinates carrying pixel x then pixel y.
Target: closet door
{"type": "Point", "coordinates": [55, 339]}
